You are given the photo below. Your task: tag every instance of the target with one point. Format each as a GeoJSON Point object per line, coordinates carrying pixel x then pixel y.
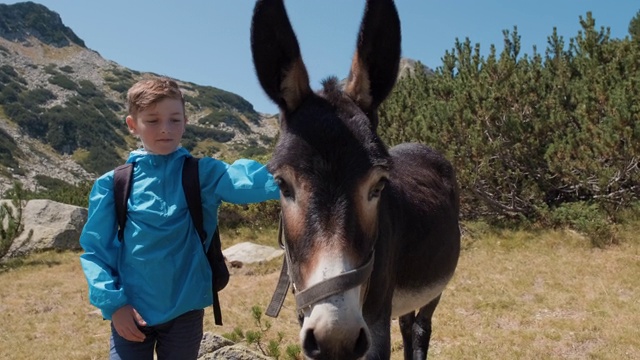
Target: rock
{"type": "Point", "coordinates": [49, 225]}
{"type": "Point", "coordinates": [216, 347]}
{"type": "Point", "coordinates": [212, 342]}
{"type": "Point", "coordinates": [248, 253]}
{"type": "Point", "coordinates": [236, 352]}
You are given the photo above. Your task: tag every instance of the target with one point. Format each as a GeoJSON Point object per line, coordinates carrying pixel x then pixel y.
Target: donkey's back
{"type": "Point", "coordinates": [423, 208]}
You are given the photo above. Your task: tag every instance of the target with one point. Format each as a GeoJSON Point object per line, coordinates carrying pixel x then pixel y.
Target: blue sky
{"type": "Point", "coordinates": [207, 41]}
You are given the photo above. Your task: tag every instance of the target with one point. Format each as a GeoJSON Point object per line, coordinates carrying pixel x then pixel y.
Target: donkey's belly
{"type": "Point", "coordinates": [408, 300]}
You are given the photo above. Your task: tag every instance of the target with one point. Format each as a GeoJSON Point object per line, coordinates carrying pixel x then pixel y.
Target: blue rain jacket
{"type": "Point", "coordinates": [160, 268]}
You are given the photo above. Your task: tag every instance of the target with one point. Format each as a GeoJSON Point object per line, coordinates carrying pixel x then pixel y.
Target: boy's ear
{"type": "Point", "coordinates": [131, 124]}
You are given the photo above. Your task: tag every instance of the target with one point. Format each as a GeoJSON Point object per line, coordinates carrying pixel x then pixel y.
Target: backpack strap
{"type": "Point", "coordinates": [191, 187]}
{"type": "Point", "coordinates": [122, 189]}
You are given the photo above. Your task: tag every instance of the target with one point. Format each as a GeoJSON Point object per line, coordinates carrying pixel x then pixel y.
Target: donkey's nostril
{"type": "Point", "coordinates": [310, 344]}
{"type": "Point", "coordinates": [362, 344]}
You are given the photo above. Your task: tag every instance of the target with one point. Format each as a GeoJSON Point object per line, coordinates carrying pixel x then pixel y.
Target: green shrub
{"type": "Point", "coordinates": [120, 86]}
{"type": "Point", "coordinates": [51, 69]}
{"type": "Point", "coordinates": [8, 150]}
{"type": "Point", "coordinates": [33, 99]}
{"type": "Point", "coordinates": [261, 340]}
{"type": "Point", "coordinates": [101, 159]}
{"type": "Point", "coordinates": [29, 122]}
{"type": "Point", "coordinates": [227, 117]}
{"type": "Point", "coordinates": [219, 99]}
{"type": "Point", "coordinates": [61, 191]}
{"type": "Point", "coordinates": [586, 218]}
{"type": "Point", "coordinates": [81, 125]}
{"type": "Point", "coordinates": [8, 75]}
{"type": "Point", "coordinates": [189, 144]}
{"type": "Point", "coordinates": [251, 150]}
{"type": "Point", "coordinates": [255, 216]}
{"type": "Point", "coordinates": [119, 80]}
{"type": "Point", "coordinates": [87, 89]}
{"type": "Point", "coordinates": [10, 93]}
{"type": "Point", "coordinates": [68, 69]}
{"type": "Point", "coordinates": [11, 225]}
{"type": "Point", "coordinates": [105, 105]}
{"type": "Point", "coordinates": [63, 81]}
{"type": "Point", "coordinates": [199, 133]}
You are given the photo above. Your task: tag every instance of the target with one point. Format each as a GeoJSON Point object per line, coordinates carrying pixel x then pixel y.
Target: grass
{"type": "Point", "coordinates": [515, 295]}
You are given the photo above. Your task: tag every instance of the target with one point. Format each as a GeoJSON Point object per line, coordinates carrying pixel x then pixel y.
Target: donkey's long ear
{"type": "Point", "coordinates": [374, 67]}
{"type": "Point", "coordinates": [276, 55]}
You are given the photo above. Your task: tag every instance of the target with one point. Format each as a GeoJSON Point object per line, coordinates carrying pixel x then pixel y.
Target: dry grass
{"type": "Point", "coordinates": [516, 295]}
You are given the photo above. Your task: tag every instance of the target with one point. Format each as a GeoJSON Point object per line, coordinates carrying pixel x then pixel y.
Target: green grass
{"type": "Point", "coordinates": [515, 295]}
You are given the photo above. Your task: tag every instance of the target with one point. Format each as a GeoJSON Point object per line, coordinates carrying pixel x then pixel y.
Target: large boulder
{"type": "Point", "coordinates": [249, 253]}
{"type": "Point", "coordinates": [49, 225]}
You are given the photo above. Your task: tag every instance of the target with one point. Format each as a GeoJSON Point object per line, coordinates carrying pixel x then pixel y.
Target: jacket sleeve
{"type": "Point", "coordinates": [246, 181]}
{"type": "Point", "coordinates": [101, 249]}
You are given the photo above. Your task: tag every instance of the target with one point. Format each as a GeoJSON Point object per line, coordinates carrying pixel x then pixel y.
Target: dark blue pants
{"type": "Point", "coordinates": [178, 339]}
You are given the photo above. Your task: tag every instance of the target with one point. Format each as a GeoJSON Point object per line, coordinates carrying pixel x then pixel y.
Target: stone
{"type": "Point", "coordinates": [247, 253]}
{"type": "Point", "coordinates": [236, 352]}
{"type": "Point", "coordinates": [49, 225]}
{"type": "Point", "coordinates": [212, 342]}
{"type": "Point", "coordinates": [217, 347]}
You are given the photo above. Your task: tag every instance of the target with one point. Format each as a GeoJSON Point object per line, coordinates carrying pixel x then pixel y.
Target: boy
{"type": "Point", "coordinates": [154, 285]}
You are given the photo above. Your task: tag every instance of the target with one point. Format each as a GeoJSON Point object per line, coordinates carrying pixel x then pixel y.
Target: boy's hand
{"type": "Point", "coordinates": [125, 321]}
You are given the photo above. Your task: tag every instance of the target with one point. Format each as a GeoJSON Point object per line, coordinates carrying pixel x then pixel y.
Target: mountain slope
{"type": "Point", "coordinates": [62, 106]}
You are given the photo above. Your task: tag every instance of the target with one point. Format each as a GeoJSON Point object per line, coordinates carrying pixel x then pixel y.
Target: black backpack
{"type": "Point", "coordinates": [191, 187]}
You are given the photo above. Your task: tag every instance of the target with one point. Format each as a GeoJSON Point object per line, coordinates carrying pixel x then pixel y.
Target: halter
{"type": "Point", "coordinates": [320, 291]}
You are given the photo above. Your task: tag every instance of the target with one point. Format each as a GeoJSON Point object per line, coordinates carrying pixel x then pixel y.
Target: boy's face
{"type": "Point", "coordinates": [160, 127]}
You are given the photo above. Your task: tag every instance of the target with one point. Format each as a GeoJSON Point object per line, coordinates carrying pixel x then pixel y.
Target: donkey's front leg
{"type": "Point", "coordinates": [380, 330]}
{"type": "Point", "coordinates": [406, 322]}
{"type": "Point", "coordinates": [422, 330]}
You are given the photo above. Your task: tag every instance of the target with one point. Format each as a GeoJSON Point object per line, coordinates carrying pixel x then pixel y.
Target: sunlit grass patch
{"type": "Point", "coordinates": [545, 294]}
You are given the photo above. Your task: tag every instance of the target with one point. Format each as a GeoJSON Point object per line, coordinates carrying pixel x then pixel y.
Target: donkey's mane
{"type": "Point", "coordinates": [332, 90]}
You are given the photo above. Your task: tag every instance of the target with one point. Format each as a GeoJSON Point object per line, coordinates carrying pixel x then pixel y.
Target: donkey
{"type": "Point", "coordinates": [370, 233]}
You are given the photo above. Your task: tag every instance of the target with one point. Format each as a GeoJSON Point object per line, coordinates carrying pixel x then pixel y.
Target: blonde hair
{"type": "Point", "coordinates": [146, 93]}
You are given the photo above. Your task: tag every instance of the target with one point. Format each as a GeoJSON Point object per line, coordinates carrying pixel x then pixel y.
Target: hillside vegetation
{"type": "Point", "coordinates": [550, 138]}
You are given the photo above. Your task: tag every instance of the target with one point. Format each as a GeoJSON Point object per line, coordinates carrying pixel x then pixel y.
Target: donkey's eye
{"type": "Point", "coordinates": [376, 191]}
{"type": "Point", "coordinates": [285, 189]}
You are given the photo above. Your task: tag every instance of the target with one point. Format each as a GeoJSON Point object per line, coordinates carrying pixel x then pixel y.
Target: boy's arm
{"type": "Point", "coordinates": [101, 248]}
{"type": "Point", "coordinates": [247, 181]}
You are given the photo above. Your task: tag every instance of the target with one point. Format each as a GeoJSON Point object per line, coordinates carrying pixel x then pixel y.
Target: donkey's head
{"type": "Point", "coordinates": [331, 168]}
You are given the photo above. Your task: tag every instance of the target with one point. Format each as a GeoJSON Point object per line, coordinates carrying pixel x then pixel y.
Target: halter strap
{"type": "Point", "coordinates": [283, 281]}
{"type": "Point", "coordinates": [334, 285]}
{"type": "Point", "coordinates": [319, 291]}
